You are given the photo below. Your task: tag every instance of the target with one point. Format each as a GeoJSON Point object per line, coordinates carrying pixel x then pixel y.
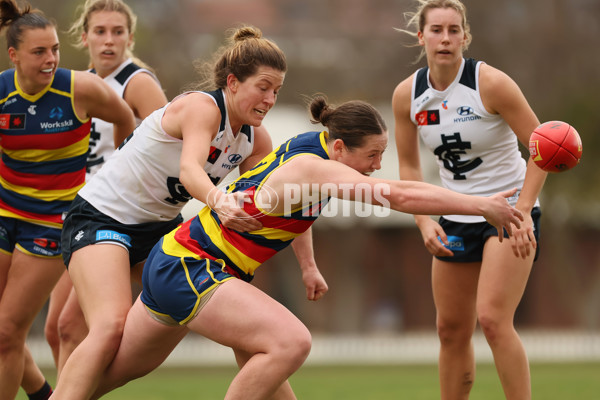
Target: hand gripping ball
{"type": "Point", "coordinates": [555, 146]}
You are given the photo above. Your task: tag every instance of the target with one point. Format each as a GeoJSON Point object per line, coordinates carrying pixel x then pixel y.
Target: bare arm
{"type": "Point", "coordinates": [315, 284]}
{"type": "Point", "coordinates": [195, 118]}
{"type": "Point", "coordinates": [338, 180]}
{"type": "Point", "coordinates": [262, 146]}
{"type": "Point", "coordinates": [407, 146]}
{"type": "Point", "coordinates": [94, 98]}
{"type": "Point", "coordinates": [144, 95]}
{"type": "Point", "coordinates": [501, 95]}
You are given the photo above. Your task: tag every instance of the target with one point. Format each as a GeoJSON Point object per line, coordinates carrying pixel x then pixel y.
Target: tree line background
{"type": "Point", "coordinates": [379, 274]}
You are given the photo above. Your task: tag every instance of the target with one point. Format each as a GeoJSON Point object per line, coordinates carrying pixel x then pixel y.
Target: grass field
{"type": "Point", "coordinates": [568, 381]}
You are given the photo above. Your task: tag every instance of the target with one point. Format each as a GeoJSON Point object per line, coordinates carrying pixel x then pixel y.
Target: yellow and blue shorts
{"type": "Point", "coordinates": [176, 288]}
{"type": "Point", "coordinates": [33, 239]}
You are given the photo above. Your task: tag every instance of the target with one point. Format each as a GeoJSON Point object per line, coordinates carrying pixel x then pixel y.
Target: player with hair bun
{"type": "Point", "coordinates": [106, 29]}
{"type": "Point", "coordinates": [471, 116]}
{"type": "Point", "coordinates": [45, 119]}
{"type": "Point", "coordinates": [197, 276]}
{"type": "Point", "coordinates": [179, 152]}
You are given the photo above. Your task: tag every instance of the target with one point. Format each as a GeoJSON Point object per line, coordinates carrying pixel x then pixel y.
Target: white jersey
{"type": "Point", "coordinates": [476, 151]}
{"type": "Point", "coordinates": [140, 182]}
{"type": "Point", "coordinates": [102, 143]}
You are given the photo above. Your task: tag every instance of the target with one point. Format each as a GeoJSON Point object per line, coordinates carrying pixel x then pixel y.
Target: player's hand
{"type": "Point", "coordinates": [434, 238]}
{"type": "Point", "coordinates": [229, 208]}
{"type": "Point", "coordinates": [523, 240]}
{"type": "Point", "coordinates": [502, 215]}
{"type": "Point", "coordinates": [315, 284]}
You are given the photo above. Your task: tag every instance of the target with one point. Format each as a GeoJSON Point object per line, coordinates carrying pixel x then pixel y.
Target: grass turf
{"type": "Point", "coordinates": [549, 382]}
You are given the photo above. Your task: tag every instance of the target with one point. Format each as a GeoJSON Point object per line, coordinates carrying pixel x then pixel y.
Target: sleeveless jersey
{"type": "Point", "coordinates": [476, 151]}
{"type": "Point", "coordinates": [242, 252]}
{"type": "Point", "coordinates": [44, 149]}
{"type": "Point", "coordinates": [102, 143]}
{"type": "Point", "coordinates": [140, 182]}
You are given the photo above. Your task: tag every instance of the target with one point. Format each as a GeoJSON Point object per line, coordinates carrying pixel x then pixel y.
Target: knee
{"type": "Point", "coordinates": [11, 337]}
{"type": "Point", "coordinates": [107, 334]}
{"type": "Point", "coordinates": [454, 332]}
{"type": "Point", "coordinates": [51, 333]}
{"type": "Point", "coordinates": [294, 347]}
{"type": "Point", "coordinates": [71, 328]}
{"type": "Point", "coordinates": [490, 324]}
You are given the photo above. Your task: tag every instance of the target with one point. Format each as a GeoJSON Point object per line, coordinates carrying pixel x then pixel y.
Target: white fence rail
{"type": "Point", "coordinates": [410, 348]}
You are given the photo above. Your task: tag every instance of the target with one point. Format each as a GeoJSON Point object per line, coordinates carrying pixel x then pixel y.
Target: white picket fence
{"type": "Point", "coordinates": [409, 348]}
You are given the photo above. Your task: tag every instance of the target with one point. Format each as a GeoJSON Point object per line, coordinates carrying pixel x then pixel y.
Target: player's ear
{"type": "Point", "coordinates": [338, 146]}
{"type": "Point", "coordinates": [232, 82]}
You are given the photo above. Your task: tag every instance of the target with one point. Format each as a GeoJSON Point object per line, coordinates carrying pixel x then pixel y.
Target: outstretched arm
{"type": "Point", "coordinates": [338, 180]}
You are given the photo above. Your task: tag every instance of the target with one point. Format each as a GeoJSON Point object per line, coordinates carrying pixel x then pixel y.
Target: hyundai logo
{"type": "Point", "coordinates": [234, 158]}
{"type": "Point", "coordinates": [464, 110]}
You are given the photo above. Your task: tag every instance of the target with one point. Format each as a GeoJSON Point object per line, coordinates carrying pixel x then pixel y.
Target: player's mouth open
{"type": "Point", "coordinates": [260, 112]}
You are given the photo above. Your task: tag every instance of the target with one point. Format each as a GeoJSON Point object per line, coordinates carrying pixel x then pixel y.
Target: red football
{"type": "Point", "coordinates": [555, 146]}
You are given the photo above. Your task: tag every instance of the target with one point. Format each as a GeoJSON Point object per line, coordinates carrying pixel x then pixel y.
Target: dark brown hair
{"type": "Point", "coordinates": [16, 20]}
{"type": "Point", "coordinates": [351, 121]}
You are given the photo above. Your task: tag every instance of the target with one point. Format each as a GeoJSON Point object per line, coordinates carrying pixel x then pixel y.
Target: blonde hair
{"type": "Point", "coordinates": [86, 10]}
{"type": "Point", "coordinates": [245, 50]}
{"type": "Point", "coordinates": [417, 20]}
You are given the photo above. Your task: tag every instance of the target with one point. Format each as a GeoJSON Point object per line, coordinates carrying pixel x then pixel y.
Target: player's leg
{"type": "Point", "coordinates": [100, 275]}
{"type": "Point", "coordinates": [244, 318]}
{"type": "Point", "coordinates": [29, 282]}
{"type": "Point", "coordinates": [146, 343]}
{"type": "Point", "coordinates": [284, 392]}
{"type": "Point", "coordinates": [454, 293]}
{"type": "Point", "coordinates": [72, 328]}
{"type": "Point", "coordinates": [58, 297]}
{"type": "Point", "coordinates": [502, 283]}
{"type": "Point", "coordinates": [34, 383]}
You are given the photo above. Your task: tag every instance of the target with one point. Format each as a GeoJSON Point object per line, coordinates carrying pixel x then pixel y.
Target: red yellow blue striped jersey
{"type": "Point", "coordinates": [44, 149]}
{"type": "Point", "coordinates": [242, 252]}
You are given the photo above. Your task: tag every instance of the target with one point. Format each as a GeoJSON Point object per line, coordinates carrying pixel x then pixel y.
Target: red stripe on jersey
{"type": "Point", "coordinates": [46, 141]}
{"type": "Point", "coordinates": [43, 182]}
{"type": "Point", "coordinates": [55, 219]}
{"type": "Point", "coordinates": [246, 246]}
{"type": "Point", "coordinates": [183, 237]}
{"type": "Point", "coordinates": [272, 221]}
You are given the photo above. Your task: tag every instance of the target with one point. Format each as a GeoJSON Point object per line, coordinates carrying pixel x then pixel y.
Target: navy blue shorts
{"type": "Point", "coordinates": [467, 239]}
{"type": "Point", "coordinates": [174, 286]}
{"type": "Point", "coordinates": [33, 239]}
{"type": "Point", "coordinates": [85, 225]}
